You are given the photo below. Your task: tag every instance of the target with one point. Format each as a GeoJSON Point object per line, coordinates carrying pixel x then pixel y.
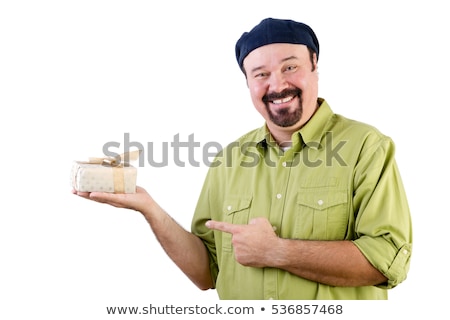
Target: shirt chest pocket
{"type": "Point", "coordinates": [236, 210]}
{"type": "Point", "coordinates": [322, 214]}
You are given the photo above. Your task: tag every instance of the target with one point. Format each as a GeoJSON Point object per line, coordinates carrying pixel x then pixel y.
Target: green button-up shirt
{"type": "Point", "coordinates": [339, 180]}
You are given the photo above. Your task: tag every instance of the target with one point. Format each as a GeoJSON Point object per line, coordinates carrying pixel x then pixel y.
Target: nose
{"type": "Point", "coordinates": [277, 82]}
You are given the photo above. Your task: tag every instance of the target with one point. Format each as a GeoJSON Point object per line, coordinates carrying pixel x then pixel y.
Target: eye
{"type": "Point", "coordinates": [291, 68]}
{"type": "Point", "coordinates": [261, 75]}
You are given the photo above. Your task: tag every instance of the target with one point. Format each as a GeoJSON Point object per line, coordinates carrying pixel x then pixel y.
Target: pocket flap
{"type": "Point", "coordinates": [236, 203]}
{"type": "Point", "coordinates": [321, 199]}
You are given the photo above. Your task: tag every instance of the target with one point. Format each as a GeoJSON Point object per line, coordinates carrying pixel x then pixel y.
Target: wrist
{"type": "Point", "coordinates": [278, 253]}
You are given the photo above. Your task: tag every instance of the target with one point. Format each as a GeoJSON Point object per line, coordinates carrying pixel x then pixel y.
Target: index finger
{"type": "Point", "coordinates": [222, 226]}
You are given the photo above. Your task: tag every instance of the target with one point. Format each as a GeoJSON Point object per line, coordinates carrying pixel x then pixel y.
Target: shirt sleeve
{"type": "Point", "coordinates": [206, 205]}
{"type": "Point", "coordinates": [383, 222]}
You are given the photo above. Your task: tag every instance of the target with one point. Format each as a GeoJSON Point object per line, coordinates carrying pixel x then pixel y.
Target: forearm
{"type": "Point", "coordinates": [336, 263]}
{"type": "Point", "coordinates": [184, 248]}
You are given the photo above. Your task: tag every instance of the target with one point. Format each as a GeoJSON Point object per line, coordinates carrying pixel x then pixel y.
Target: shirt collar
{"type": "Point", "coordinates": [310, 134]}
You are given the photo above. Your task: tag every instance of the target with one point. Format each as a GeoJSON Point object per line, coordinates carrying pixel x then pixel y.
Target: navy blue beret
{"type": "Point", "coordinates": [275, 31]}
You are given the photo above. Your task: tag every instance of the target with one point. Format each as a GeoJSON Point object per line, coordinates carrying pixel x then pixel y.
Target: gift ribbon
{"type": "Point", "coordinates": [118, 179]}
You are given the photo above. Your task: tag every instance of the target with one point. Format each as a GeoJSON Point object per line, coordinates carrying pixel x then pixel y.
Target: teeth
{"type": "Point", "coordinates": [279, 101]}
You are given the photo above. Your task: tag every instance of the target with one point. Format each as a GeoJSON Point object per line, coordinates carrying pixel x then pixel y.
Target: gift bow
{"type": "Point", "coordinates": [118, 161]}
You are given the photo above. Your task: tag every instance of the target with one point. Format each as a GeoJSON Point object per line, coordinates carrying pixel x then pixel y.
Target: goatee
{"type": "Point", "coordinates": [284, 117]}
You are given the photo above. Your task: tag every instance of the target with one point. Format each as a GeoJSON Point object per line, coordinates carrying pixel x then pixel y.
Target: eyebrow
{"type": "Point", "coordinates": [282, 60]}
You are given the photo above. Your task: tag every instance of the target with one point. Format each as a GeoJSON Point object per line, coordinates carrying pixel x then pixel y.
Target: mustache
{"type": "Point", "coordinates": [281, 95]}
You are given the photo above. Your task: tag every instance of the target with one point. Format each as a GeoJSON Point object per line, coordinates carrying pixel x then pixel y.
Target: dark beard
{"type": "Point", "coordinates": [283, 117]}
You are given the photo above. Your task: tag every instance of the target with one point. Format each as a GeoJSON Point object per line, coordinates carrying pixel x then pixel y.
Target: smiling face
{"type": "Point", "coordinates": [283, 86]}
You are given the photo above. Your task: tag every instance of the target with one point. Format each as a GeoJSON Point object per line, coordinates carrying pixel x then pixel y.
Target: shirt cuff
{"type": "Point", "coordinates": [393, 262]}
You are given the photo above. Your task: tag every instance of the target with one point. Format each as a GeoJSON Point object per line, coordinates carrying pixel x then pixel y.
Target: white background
{"type": "Point", "coordinates": [77, 74]}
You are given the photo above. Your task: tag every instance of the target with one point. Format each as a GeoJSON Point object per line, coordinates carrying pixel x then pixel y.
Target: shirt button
{"type": "Point", "coordinates": [229, 208]}
{"type": "Point", "coordinates": [320, 202]}
{"type": "Point", "coordinates": [284, 164]}
{"type": "Point", "coordinates": [279, 196]}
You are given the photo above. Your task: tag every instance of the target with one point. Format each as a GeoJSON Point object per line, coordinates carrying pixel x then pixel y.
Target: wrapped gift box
{"type": "Point", "coordinates": [104, 175]}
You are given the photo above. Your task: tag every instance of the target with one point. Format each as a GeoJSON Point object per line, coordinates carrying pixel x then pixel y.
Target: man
{"type": "Point", "coordinates": [310, 206]}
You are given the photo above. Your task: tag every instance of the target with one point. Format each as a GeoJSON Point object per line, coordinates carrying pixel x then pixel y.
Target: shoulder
{"type": "Point", "coordinates": [354, 129]}
{"type": "Point", "coordinates": [255, 135]}
{"type": "Point", "coordinates": [250, 139]}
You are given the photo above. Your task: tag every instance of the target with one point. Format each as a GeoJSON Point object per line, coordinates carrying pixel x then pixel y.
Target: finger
{"type": "Point", "coordinates": [95, 196]}
{"type": "Point", "coordinates": [222, 226]}
{"type": "Point", "coordinates": [106, 197]}
{"type": "Point", "coordinates": [258, 220]}
{"type": "Point", "coordinates": [81, 194]}
{"type": "Point", "coordinates": [262, 221]}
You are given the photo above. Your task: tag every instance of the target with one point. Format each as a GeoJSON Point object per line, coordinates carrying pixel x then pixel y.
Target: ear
{"type": "Point", "coordinates": [315, 66]}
